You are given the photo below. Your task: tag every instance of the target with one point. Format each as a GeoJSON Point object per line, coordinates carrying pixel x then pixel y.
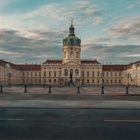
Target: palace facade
{"type": "Point", "coordinates": [71, 69]}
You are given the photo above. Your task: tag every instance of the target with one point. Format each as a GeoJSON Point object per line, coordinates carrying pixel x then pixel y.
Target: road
{"type": "Point", "coordinates": [69, 117]}
{"type": "Point", "coordinates": [69, 124]}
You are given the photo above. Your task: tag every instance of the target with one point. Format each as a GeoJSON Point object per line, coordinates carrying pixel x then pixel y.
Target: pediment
{"type": "Point", "coordinates": [71, 63]}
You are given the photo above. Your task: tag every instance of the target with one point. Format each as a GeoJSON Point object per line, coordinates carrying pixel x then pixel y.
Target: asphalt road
{"type": "Point", "coordinates": [69, 124]}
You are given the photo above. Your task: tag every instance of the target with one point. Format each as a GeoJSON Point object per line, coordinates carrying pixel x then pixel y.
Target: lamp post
{"type": "Point", "coordinates": [102, 84]}
{"type": "Point", "coordinates": [127, 87]}
{"type": "Point", "coordinates": [136, 77]}
{"type": "Point", "coordinates": [128, 78]}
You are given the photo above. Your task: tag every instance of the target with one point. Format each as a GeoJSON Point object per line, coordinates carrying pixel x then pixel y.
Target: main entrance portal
{"type": "Point", "coordinates": [71, 76]}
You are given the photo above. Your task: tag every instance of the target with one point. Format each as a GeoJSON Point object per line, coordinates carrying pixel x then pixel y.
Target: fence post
{"type": "Point", "coordinates": [25, 89]}
{"type": "Point", "coordinates": [102, 89]}
{"type": "Point", "coordinates": [127, 89]}
{"type": "Point", "coordinates": [1, 89]}
{"type": "Point", "coordinates": [49, 91]}
{"type": "Point", "coordinates": [78, 90]}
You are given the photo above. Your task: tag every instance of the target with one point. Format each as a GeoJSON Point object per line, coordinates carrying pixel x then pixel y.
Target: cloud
{"type": "Point", "coordinates": [134, 5]}
{"type": "Point", "coordinates": [132, 55]}
{"type": "Point", "coordinates": [88, 43]}
{"type": "Point", "coordinates": [126, 29]}
{"type": "Point", "coordinates": [53, 13]}
{"type": "Point", "coordinates": [101, 49]}
{"type": "Point", "coordinates": [37, 46]}
{"type": "Point", "coordinates": [32, 46]}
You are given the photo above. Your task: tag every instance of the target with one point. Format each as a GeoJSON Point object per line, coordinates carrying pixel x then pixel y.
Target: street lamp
{"type": "Point", "coordinates": [102, 83]}
{"type": "Point", "coordinates": [128, 78]}
{"type": "Point", "coordinates": [127, 87]}
{"type": "Point", "coordinates": [136, 83]}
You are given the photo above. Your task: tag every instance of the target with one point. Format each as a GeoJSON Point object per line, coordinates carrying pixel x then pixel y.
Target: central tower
{"type": "Point", "coordinates": [71, 47]}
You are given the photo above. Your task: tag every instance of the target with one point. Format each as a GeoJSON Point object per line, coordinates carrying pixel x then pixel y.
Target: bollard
{"type": "Point", "coordinates": [102, 90]}
{"type": "Point", "coordinates": [127, 89]}
{"type": "Point", "coordinates": [78, 90]}
{"type": "Point", "coordinates": [50, 91]}
{"type": "Point", "coordinates": [25, 89]}
{"type": "Point", "coordinates": [1, 89]}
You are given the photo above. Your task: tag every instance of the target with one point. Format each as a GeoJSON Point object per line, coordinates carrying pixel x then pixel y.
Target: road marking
{"type": "Point", "coordinates": [137, 121]}
{"type": "Point", "coordinates": [11, 119]}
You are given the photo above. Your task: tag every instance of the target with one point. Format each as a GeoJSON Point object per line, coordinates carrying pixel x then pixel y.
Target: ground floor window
{"type": "Point", "coordinates": [50, 80]}
{"type": "Point", "coordinates": [82, 81]}
{"type": "Point", "coordinates": [44, 80]}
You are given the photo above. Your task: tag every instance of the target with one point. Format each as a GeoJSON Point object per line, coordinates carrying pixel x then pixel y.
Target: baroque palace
{"type": "Point", "coordinates": [70, 70]}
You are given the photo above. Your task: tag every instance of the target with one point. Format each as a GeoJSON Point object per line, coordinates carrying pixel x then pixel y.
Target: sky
{"type": "Point", "coordinates": [32, 31]}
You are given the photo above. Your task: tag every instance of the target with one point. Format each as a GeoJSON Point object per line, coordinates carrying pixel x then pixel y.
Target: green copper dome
{"type": "Point", "coordinates": [71, 40]}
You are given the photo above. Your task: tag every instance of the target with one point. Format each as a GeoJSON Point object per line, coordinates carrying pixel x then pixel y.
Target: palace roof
{"type": "Point", "coordinates": [30, 67]}
{"type": "Point", "coordinates": [57, 61]}
{"type": "Point", "coordinates": [113, 67]}
{"type": "Point", "coordinates": [89, 61]}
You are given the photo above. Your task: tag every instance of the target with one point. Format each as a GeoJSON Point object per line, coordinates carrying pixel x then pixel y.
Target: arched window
{"type": "Point", "coordinates": [76, 72]}
{"type": "Point", "coordinates": [66, 72]}
{"type": "Point", "coordinates": [71, 71]}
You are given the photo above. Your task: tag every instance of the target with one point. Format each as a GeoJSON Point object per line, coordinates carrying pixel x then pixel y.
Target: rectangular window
{"type": "Point", "coordinates": [44, 73]}
{"type": "Point", "coordinates": [87, 73]}
{"type": "Point", "coordinates": [27, 73]}
{"type": "Point", "coordinates": [39, 73]}
{"type": "Point", "coordinates": [119, 73]}
{"type": "Point", "coordinates": [93, 74]}
{"type": "Point", "coordinates": [54, 73]}
{"type": "Point", "coordinates": [49, 73]}
{"type": "Point", "coordinates": [106, 73]}
{"type": "Point", "coordinates": [35, 73]}
{"type": "Point", "coordinates": [82, 73]}
{"type": "Point", "coordinates": [98, 74]}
